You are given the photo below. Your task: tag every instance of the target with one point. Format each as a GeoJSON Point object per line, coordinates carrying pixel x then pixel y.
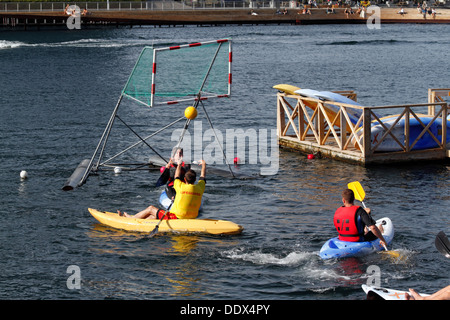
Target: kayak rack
{"type": "Point", "coordinates": [329, 128]}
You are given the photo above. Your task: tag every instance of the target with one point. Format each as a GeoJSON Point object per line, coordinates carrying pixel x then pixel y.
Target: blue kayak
{"type": "Point", "coordinates": [335, 248]}
{"type": "Point", "coordinates": [165, 202]}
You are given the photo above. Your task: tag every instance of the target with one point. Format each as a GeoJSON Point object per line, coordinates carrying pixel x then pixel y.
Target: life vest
{"type": "Point", "coordinates": [172, 173]}
{"type": "Point", "coordinates": [346, 223]}
{"type": "Point", "coordinates": [188, 199]}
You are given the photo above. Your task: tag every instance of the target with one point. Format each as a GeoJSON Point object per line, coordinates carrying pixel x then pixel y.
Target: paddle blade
{"type": "Point", "coordinates": [442, 244]}
{"type": "Point", "coordinates": [154, 231]}
{"type": "Point", "coordinates": [396, 256]}
{"type": "Point", "coordinates": [357, 190]}
{"type": "Point", "coordinates": [163, 178]}
{"type": "Point", "coordinates": [391, 253]}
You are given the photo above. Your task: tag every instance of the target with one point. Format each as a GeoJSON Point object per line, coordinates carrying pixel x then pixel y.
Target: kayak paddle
{"type": "Point", "coordinates": [155, 230]}
{"type": "Point", "coordinates": [360, 194]}
{"type": "Point", "coordinates": [442, 244]}
{"type": "Point", "coordinates": [358, 190]}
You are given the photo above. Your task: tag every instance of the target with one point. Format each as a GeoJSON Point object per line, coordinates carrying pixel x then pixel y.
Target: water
{"type": "Point", "coordinates": [58, 89]}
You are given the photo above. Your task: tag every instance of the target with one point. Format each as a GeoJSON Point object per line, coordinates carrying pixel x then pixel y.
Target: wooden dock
{"type": "Point", "coordinates": [208, 17]}
{"type": "Point", "coordinates": [307, 125]}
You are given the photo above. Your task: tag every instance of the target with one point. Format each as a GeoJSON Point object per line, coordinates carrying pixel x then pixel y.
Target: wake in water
{"type": "Point", "coordinates": [9, 44]}
{"type": "Point", "coordinates": [257, 257]}
{"type": "Point", "coordinates": [81, 43]}
{"type": "Point", "coordinates": [311, 273]}
{"type": "Point", "coordinates": [307, 265]}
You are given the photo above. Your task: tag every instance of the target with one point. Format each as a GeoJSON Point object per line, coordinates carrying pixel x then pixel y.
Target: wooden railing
{"type": "Point", "coordinates": [437, 95]}
{"type": "Point", "coordinates": [313, 122]}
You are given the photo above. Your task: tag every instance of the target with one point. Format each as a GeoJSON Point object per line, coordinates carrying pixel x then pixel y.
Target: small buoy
{"type": "Point", "coordinates": [162, 169]}
{"type": "Point", "coordinates": [310, 156]}
{"type": "Point", "coordinates": [190, 113]}
{"type": "Point", "coordinates": [236, 160]}
{"type": "Point", "coordinates": [23, 174]}
{"type": "Point", "coordinates": [117, 170]}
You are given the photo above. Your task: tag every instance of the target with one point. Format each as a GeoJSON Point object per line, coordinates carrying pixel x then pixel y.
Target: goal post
{"type": "Point", "coordinates": [173, 74]}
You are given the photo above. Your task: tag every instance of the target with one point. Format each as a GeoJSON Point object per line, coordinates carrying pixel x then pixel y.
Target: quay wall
{"type": "Point", "coordinates": [222, 17]}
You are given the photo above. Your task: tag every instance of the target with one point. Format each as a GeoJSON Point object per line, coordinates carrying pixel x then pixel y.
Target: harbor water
{"type": "Point", "coordinates": [58, 89]}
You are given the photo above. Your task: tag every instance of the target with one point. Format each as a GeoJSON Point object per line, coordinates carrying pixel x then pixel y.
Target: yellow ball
{"type": "Point", "coordinates": [190, 113]}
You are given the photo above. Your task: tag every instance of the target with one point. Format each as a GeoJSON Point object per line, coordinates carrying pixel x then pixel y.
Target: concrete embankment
{"type": "Point", "coordinates": [224, 17]}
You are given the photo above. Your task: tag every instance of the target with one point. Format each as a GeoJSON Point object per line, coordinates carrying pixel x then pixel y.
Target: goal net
{"type": "Point", "coordinates": [181, 73]}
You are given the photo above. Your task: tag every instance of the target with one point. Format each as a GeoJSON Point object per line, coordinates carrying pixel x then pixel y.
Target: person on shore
{"type": "Point", "coordinates": [312, 3]}
{"type": "Point", "coordinates": [424, 12]}
{"type": "Point", "coordinates": [304, 11]}
{"type": "Point", "coordinates": [187, 201]}
{"type": "Point", "coordinates": [348, 11]}
{"type": "Point", "coordinates": [355, 224]}
{"type": "Point", "coordinates": [443, 294]}
{"type": "Point", "coordinates": [402, 11]}
{"type": "Point", "coordinates": [419, 8]}
{"type": "Point", "coordinates": [330, 9]}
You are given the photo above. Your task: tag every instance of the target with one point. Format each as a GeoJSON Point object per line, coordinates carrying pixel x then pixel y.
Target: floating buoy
{"type": "Point", "coordinates": [117, 170]}
{"type": "Point", "coordinates": [236, 160]}
{"type": "Point", "coordinates": [190, 113]}
{"type": "Point", "coordinates": [310, 156]}
{"type": "Point", "coordinates": [23, 174]}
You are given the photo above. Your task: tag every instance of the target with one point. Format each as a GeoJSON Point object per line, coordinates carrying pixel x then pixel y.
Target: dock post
{"type": "Point", "coordinates": [281, 124]}
{"type": "Point", "coordinates": [367, 137]}
{"type": "Point", "coordinates": [343, 129]}
{"type": "Point", "coordinates": [431, 99]}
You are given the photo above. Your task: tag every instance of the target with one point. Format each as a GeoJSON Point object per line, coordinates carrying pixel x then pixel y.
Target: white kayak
{"type": "Point", "coordinates": [378, 293]}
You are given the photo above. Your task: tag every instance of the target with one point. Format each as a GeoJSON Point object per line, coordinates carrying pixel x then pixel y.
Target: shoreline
{"type": "Point", "coordinates": [211, 17]}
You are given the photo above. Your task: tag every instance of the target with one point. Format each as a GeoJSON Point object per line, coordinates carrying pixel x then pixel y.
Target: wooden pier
{"type": "Point", "coordinates": [307, 125]}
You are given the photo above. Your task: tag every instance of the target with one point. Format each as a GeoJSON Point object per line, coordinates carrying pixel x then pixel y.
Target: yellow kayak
{"type": "Point", "coordinates": [177, 225]}
{"type": "Point", "coordinates": [286, 88]}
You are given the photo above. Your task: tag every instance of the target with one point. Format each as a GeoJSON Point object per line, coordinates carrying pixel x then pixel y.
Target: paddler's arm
{"type": "Point", "coordinates": [169, 164]}
{"type": "Point", "coordinates": [370, 225]}
{"type": "Point", "coordinates": [203, 172]}
{"type": "Point", "coordinates": [377, 232]}
{"type": "Point", "coordinates": [178, 171]}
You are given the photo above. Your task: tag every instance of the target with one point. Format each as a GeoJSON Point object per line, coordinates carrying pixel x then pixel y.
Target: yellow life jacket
{"type": "Point", "coordinates": [188, 199]}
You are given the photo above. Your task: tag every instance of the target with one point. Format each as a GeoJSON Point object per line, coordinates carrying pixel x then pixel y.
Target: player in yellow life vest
{"type": "Point", "coordinates": [187, 201]}
{"type": "Point", "coordinates": [188, 197]}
